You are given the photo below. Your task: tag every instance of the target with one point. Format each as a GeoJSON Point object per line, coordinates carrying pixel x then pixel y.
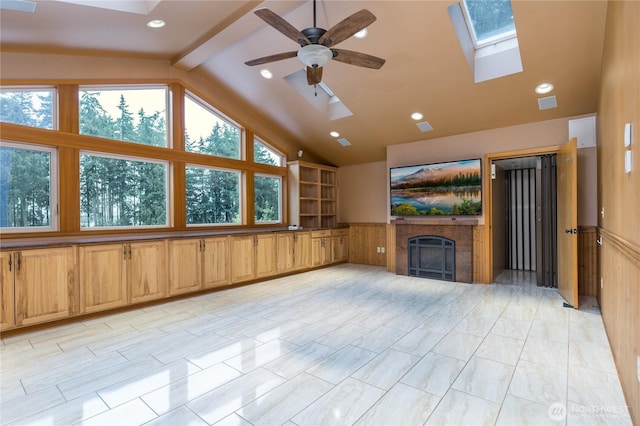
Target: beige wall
{"type": "Point", "coordinates": [362, 193]}
{"type": "Point", "coordinates": [362, 182]}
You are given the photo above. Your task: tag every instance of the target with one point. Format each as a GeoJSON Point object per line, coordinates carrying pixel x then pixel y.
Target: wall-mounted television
{"type": "Point", "coordinates": [453, 188]}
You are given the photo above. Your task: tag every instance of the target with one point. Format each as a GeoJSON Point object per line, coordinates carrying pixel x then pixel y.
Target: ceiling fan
{"type": "Point", "coordinates": [316, 44]}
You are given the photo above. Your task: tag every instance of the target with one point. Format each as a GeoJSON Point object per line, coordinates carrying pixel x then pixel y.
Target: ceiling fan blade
{"type": "Point", "coordinates": [271, 58]}
{"type": "Point", "coordinates": [347, 27]}
{"type": "Point", "coordinates": [314, 75]}
{"type": "Point", "coordinates": [283, 26]}
{"type": "Point", "coordinates": [356, 58]}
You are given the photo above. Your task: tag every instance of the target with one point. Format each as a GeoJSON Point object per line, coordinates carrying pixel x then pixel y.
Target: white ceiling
{"type": "Point", "coordinates": [425, 70]}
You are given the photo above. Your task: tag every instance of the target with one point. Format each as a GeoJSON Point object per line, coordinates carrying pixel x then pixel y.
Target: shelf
{"type": "Point", "coordinates": [313, 192]}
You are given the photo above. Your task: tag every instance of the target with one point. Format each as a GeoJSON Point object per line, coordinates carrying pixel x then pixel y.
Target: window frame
{"type": "Point", "coordinates": [222, 117]}
{"type": "Point", "coordinates": [282, 157]}
{"type": "Point", "coordinates": [241, 196]}
{"type": "Point", "coordinates": [55, 102]}
{"type": "Point", "coordinates": [479, 44]}
{"type": "Point", "coordinates": [168, 192]}
{"type": "Point", "coordinates": [168, 114]}
{"type": "Point", "coordinates": [54, 188]}
{"type": "Point", "coordinates": [280, 180]}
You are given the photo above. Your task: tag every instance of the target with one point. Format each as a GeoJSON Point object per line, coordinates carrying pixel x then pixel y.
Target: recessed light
{"type": "Point", "coordinates": [544, 88]}
{"type": "Point", "coordinates": [361, 34]}
{"type": "Point", "coordinates": [266, 73]}
{"type": "Point", "coordinates": [416, 116]}
{"type": "Point", "coordinates": [156, 23]}
{"type": "Point", "coordinates": [334, 134]}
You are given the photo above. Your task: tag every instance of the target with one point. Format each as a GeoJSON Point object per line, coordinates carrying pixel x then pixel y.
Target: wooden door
{"type": "Point", "coordinates": [266, 251]}
{"type": "Point", "coordinates": [567, 175]}
{"type": "Point", "coordinates": [45, 284]}
{"type": "Point", "coordinates": [103, 279]}
{"type": "Point", "coordinates": [285, 259]}
{"type": "Point", "coordinates": [302, 250]}
{"type": "Point", "coordinates": [215, 262]}
{"type": "Point", "coordinates": [242, 258]}
{"type": "Point", "coordinates": [185, 265]}
{"type": "Point", "coordinates": [147, 271]}
{"type": "Point", "coordinates": [7, 300]}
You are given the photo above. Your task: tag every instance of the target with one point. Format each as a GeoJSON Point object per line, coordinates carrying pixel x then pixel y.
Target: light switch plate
{"type": "Point", "coordinates": [627, 161]}
{"type": "Point", "coordinates": [627, 134]}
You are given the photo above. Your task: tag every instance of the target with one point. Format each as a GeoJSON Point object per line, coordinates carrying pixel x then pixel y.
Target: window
{"type": "Point", "coordinates": [28, 188]}
{"type": "Point", "coordinates": [268, 201]}
{"type": "Point", "coordinates": [212, 196]}
{"type": "Point", "coordinates": [489, 21]}
{"type": "Point", "coordinates": [134, 114]}
{"type": "Point", "coordinates": [119, 192]}
{"type": "Point", "coordinates": [206, 132]}
{"type": "Point", "coordinates": [264, 154]}
{"type": "Point", "coordinates": [34, 107]}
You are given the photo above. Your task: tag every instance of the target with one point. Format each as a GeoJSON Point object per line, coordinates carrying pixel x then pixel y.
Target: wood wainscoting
{"type": "Point", "coordinates": [368, 243]}
{"type": "Point", "coordinates": [480, 266]}
{"type": "Point", "coordinates": [587, 261]}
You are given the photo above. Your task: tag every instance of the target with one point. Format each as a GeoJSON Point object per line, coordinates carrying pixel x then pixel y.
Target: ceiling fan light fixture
{"type": "Point", "coordinates": [315, 55]}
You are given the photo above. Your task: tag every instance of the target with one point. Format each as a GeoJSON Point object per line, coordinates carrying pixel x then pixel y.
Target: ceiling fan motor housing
{"type": "Point", "coordinates": [313, 34]}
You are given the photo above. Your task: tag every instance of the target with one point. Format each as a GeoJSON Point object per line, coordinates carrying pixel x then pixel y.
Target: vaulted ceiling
{"type": "Point", "coordinates": [425, 70]}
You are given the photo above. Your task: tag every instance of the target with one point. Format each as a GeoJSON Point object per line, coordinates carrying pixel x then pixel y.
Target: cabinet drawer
{"type": "Point", "coordinates": [343, 232]}
{"type": "Point", "coordinates": [321, 234]}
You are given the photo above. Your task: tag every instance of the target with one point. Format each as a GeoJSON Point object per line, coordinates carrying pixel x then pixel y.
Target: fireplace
{"type": "Point", "coordinates": [459, 232]}
{"type": "Point", "coordinates": [432, 257]}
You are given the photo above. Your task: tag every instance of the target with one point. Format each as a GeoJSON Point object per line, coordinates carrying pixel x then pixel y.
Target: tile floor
{"type": "Point", "coordinates": [346, 345]}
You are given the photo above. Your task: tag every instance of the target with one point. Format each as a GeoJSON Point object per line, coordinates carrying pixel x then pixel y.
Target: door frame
{"type": "Point", "coordinates": [488, 199]}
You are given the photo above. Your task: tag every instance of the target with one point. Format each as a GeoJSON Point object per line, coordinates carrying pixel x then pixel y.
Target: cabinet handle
{"type": "Point", "coordinates": [129, 251]}
{"type": "Point", "coordinates": [255, 240]}
{"type": "Point", "coordinates": [124, 252]}
{"type": "Point", "coordinates": [203, 245]}
{"type": "Point", "coordinates": [18, 261]}
{"type": "Point", "coordinates": [10, 262]}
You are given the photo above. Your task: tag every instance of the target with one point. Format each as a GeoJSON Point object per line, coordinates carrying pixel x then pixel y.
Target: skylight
{"type": "Point", "coordinates": [489, 21]}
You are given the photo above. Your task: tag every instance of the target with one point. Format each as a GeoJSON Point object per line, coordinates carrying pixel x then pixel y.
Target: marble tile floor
{"type": "Point", "coordinates": [346, 345]}
{"type": "Point", "coordinates": [516, 277]}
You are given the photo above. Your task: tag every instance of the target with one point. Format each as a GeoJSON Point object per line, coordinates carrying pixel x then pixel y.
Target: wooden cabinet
{"type": "Point", "coordinates": [196, 264]}
{"type": "Point", "coordinates": [313, 193]}
{"type": "Point", "coordinates": [253, 256]}
{"type": "Point", "coordinates": [320, 248]}
{"type": "Point", "coordinates": [293, 251]}
{"type": "Point", "coordinates": [38, 285]}
{"type": "Point", "coordinates": [113, 275]}
{"type": "Point", "coordinates": [339, 245]}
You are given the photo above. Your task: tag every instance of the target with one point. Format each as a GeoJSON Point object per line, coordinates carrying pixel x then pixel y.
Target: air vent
{"type": "Point", "coordinates": [424, 126]}
{"type": "Point", "coordinates": [547, 103]}
{"type": "Point", "coordinates": [344, 142]}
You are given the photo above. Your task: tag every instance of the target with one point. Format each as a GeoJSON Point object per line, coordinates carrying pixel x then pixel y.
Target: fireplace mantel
{"type": "Point", "coordinates": [459, 230]}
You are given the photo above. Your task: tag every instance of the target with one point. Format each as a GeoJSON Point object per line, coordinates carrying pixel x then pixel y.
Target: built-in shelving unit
{"type": "Point", "coordinates": [313, 195]}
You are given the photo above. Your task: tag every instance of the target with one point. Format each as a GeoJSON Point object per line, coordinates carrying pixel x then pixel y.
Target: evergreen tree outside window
{"type": "Point", "coordinates": [268, 200]}
{"type": "Point", "coordinates": [212, 196]}
{"type": "Point", "coordinates": [264, 154]}
{"type": "Point", "coordinates": [133, 114]}
{"type": "Point", "coordinates": [28, 188]}
{"type": "Point", "coordinates": [207, 132]}
{"type": "Point", "coordinates": [117, 192]}
{"type": "Point", "coordinates": [33, 107]}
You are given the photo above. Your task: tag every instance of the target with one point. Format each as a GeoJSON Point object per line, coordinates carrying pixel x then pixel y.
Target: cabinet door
{"type": "Point", "coordinates": [103, 281]}
{"type": "Point", "coordinates": [319, 251]}
{"type": "Point", "coordinates": [45, 284]}
{"type": "Point", "coordinates": [242, 258]}
{"type": "Point", "coordinates": [216, 262]}
{"type": "Point", "coordinates": [302, 250]}
{"type": "Point", "coordinates": [285, 252]}
{"type": "Point", "coordinates": [185, 266]}
{"type": "Point", "coordinates": [147, 271]}
{"type": "Point", "coordinates": [340, 249]}
{"type": "Point", "coordinates": [7, 302]}
{"type": "Point", "coordinates": [266, 255]}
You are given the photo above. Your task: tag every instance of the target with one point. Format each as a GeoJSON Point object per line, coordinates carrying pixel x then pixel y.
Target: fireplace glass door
{"type": "Point", "coordinates": [432, 257]}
